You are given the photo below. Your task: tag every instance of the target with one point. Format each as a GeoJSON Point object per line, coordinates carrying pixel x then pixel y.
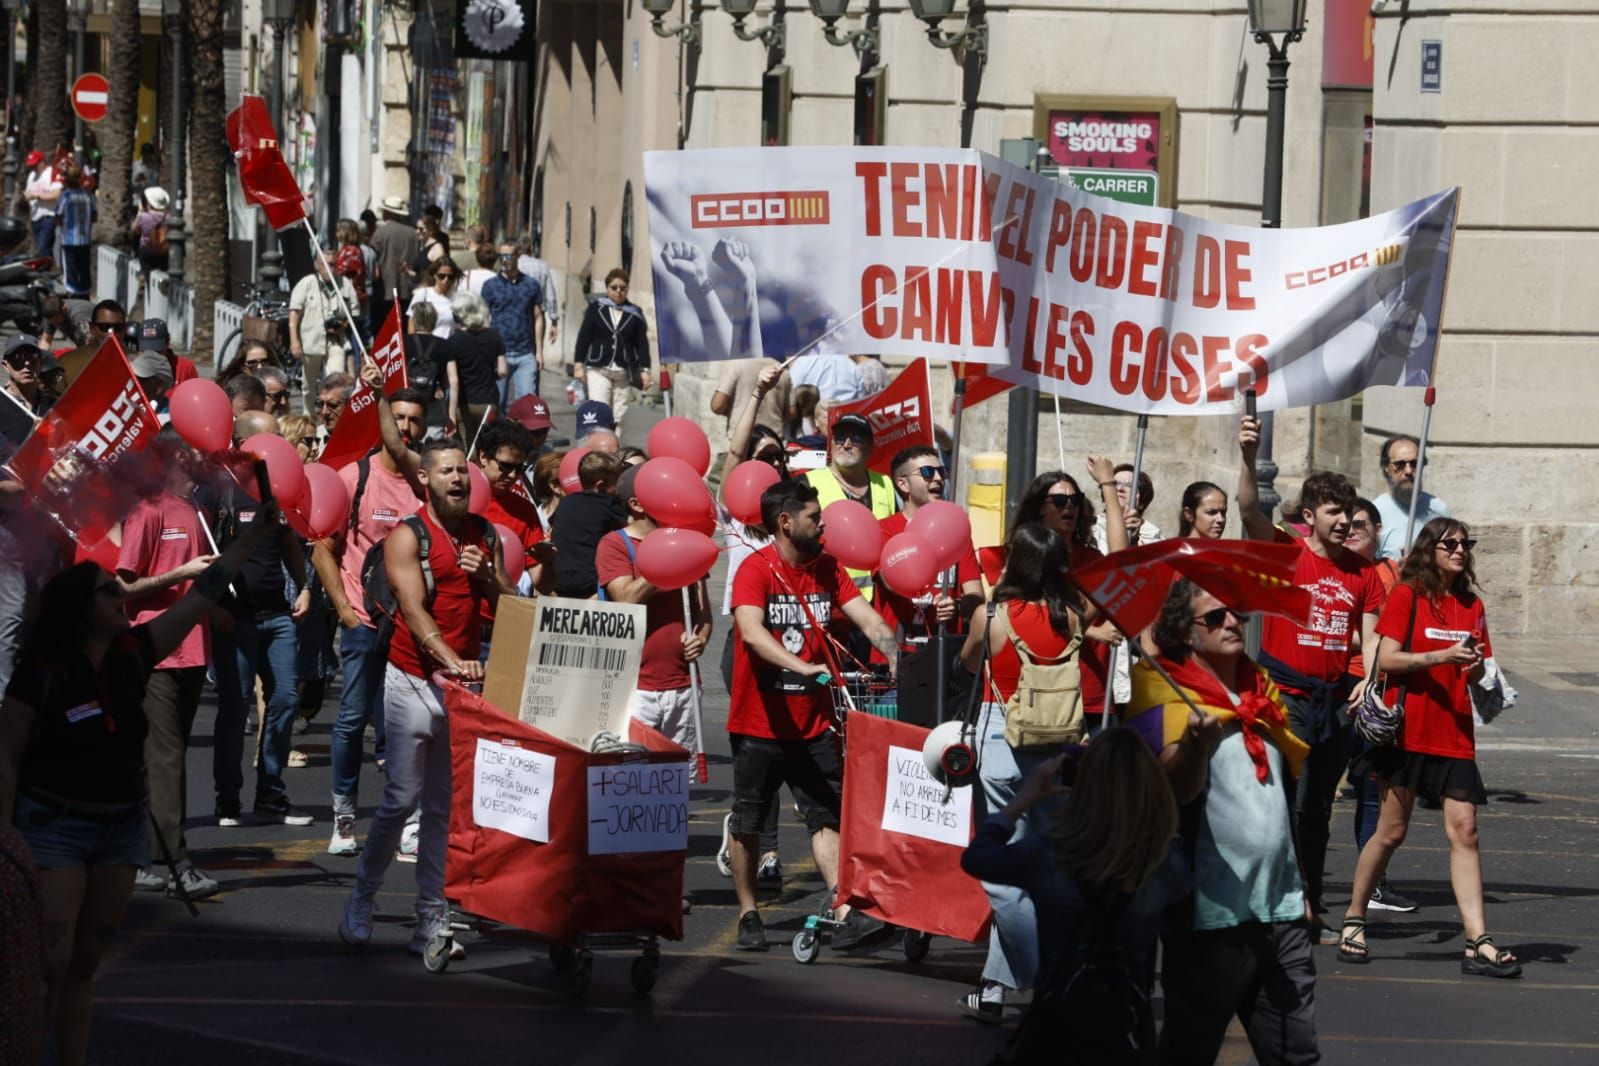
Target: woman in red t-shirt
{"type": "Point", "coordinates": [1034, 600]}
{"type": "Point", "coordinates": [1432, 639]}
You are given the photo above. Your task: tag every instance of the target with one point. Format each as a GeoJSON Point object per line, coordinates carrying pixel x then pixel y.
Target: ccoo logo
{"type": "Point", "coordinates": [731, 209]}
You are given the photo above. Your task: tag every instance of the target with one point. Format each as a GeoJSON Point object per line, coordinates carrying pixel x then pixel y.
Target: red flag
{"type": "Point", "coordinates": [901, 415]}
{"type": "Point", "coordinates": [265, 177]}
{"type": "Point", "coordinates": [356, 433]}
{"type": "Point", "coordinates": [980, 385]}
{"type": "Point", "coordinates": [91, 457]}
{"type": "Point", "coordinates": [1130, 586]}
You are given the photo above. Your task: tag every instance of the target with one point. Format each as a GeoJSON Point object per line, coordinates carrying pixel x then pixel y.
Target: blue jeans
{"type": "Point", "coordinates": [264, 647]}
{"type": "Point", "coordinates": [44, 236]}
{"type": "Point", "coordinates": [1013, 940]}
{"type": "Point", "coordinates": [523, 379]}
{"type": "Point", "coordinates": [360, 701]}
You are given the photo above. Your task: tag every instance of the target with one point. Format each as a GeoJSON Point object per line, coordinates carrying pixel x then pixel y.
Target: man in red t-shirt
{"type": "Point", "coordinates": [164, 547]}
{"type": "Point", "coordinates": [780, 721]}
{"type": "Point", "coordinates": [919, 478]}
{"type": "Point", "coordinates": [441, 633]}
{"type": "Point", "coordinates": [1311, 663]}
{"type": "Point", "coordinates": [505, 450]}
{"type": "Point", "coordinates": [665, 697]}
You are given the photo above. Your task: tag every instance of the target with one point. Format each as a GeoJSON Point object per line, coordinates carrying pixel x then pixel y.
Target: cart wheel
{"type": "Point", "coordinates": [582, 973]}
{"type": "Point", "coordinates": [806, 945]}
{"type": "Point", "coordinates": [436, 956]}
{"type": "Point", "coordinates": [643, 973]}
{"type": "Point", "coordinates": [562, 958]}
{"type": "Point", "coordinates": [915, 945]}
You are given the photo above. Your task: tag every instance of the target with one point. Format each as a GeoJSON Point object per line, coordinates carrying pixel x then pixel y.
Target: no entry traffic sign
{"type": "Point", "coordinates": [90, 95]}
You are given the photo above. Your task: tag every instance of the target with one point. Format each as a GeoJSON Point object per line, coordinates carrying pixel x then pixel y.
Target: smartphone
{"type": "Point", "coordinates": [263, 482]}
{"type": "Point", "coordinates": [1249, 402]}
{"type": "Point", "coordinates": [1470, 643]}
{"type": "Point", "coordinates": [1068, 766]}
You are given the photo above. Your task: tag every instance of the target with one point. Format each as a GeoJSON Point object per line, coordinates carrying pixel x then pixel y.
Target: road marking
{"type": "Point", "coordinates": [1432, 1041]}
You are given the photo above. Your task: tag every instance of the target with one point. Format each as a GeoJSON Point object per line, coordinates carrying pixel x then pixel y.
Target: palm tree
{"type": "Point", "coordinates": [116, 133]}
{"type": "Point", "coordinates": [47, 89]}
{"type": "Point", "coordinates": [209, 159]}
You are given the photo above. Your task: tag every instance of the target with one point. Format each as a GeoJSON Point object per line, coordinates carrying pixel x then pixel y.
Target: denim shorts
{"type": "Point", "coordinates": [62, 836]}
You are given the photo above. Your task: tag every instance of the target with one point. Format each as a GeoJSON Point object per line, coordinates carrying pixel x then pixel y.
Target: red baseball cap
{"type": "Point", "coordinates": [532, 412]}
{"type": "Point", "coordinates": [35, 157]}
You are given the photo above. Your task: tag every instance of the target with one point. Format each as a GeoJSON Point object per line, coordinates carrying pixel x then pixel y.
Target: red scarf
{"type": "Point", "coordinates": [1255, 708]}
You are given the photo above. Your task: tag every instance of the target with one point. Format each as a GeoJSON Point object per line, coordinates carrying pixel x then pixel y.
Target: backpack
{"type": "Point", "coordinates": [157, 243]}
{"type": "Point", "coordinates": [1046, 710]}
{"type": "Point", "coordinates": [1092, 1008]}
{"type": "Point", "coordinates": [382, 606]}
{"type": "Point", "coordinates": [632, 557]}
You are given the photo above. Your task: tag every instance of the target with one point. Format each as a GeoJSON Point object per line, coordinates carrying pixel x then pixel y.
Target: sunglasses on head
{"type": "Point", "coordinates": [1063, 500]}
{"type": "Point", "coordinates": [1213, 619]}
{"type": "Point", "coordinates": [1454, 544]}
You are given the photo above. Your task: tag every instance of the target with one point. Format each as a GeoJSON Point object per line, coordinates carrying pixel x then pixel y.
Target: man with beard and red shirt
{"type": "Point", "coordinates": [781, 717]}
{"type": "Point", "coordinates": [1310, 663]}
{"type": "Point", "coordinates": [443, 564]}
{"type": "Point", "coordinates": [919, 478]}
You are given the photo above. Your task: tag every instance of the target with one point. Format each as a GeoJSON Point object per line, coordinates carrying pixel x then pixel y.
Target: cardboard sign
{"type": "Point", "coordinates": [914, 803]}
{"type": "Point", "coordinates": [638, 806]}
{"type": "Point", "coordinates": [567, 667]}
{"type": "Point", "coordinates": [511, 790]}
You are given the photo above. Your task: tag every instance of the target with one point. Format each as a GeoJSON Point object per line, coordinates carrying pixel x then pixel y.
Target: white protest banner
{"type": "Point", "coordinates": [954, 254]}
{"type": "Point", "coordinates": [582, 667]}
{"type": "Point", "coordinates": [914, 803]}
{"type": "Point", "coordinates": [511, 789]}
{"type": "Point", "coordinates": [638, 806]}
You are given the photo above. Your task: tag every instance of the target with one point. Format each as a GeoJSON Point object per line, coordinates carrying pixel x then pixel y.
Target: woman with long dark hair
{"type": "Point", "coordinates": [253, 355]}
{"type": "Point", "coordinates": [1106, 860]}
{"type": "Point", "coordinates": [1432, 639]}
{"type": "Point", "coordinates": [1204, 511]}
{"type": "Point", "coordinates": [72, 773]}
{"type": "Point", "coordinates": [1033, 603]}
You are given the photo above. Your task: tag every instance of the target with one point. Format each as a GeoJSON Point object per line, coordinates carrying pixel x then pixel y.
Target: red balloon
{"type": "Point", "coordinates": [851, 534]}
{"type": "Point", "coordinates": [909, 564]}
{"type": "Point", "coordinates": [568, 470]}
{"type": "Point", "coordinates": [283, 468]}
{"type": "Point", "coordinates": [672, 493]}
{"type": "Point", "coordinates": [478, 501]}
{"type": "Point", "coordinates": [742, 488]}
{"type": "Point", "coordinates": [300, 523]}
{"type": "Point", "coordinates": [943, 525]}
{"type": "Point", "coordinates": [680, 438]}
{"type": "Point", "coordinates": [706, 525]}
{"type": "Point", "coordinates": [202, 414]}
{"type": "Point", "coordinates": [515, 554]}
{"type": "Point", "coordinates": [675, 558]}
{"type": "Point", "coordinates": [326, 503]}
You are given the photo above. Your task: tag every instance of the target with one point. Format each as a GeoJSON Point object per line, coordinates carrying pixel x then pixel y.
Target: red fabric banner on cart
{"type": "Point", "coordinates": [900, 877]}
{"type": "Point", "coordinates": [555, 889]}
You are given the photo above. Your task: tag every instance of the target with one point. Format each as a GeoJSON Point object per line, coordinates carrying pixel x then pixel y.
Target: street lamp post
{"type": "Point", "coordinates": [863, 40]}
{"type": "Point", "coordinates": [172, 11]}
{"type": "Point", "coordinates": [972, 39]}
{"type": "Point", "coordinates": [1275, 24]}
{"type": "Point", "coordinates": [774, 35]}
{"type": "Point", "coordinates": [79, 9]}
{"type": "Point", "coordinates": [279, 15]}
{"type": "Point", "coordinates": [658, 10]}
{"type": "Point", "coordinates": [13, 9]}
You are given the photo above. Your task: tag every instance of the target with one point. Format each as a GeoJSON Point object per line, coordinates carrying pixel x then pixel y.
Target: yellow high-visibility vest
{"type": "Point", "coordinates": [884, 503]}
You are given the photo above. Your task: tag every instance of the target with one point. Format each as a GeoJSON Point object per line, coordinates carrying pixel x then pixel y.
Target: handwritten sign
{"type": "Point", "coordinates": [511, 790]}
{"type": "Point", "coordinates": [638, 806]}
{"type": "Point", "coordinates": [913, 802]}
{"type": "Point", "coordinates": [582, 667]}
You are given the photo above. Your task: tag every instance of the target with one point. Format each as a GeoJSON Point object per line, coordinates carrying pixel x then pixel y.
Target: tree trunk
{"type": "Point", "coordinates": [206, 264]}
{"type": "Point", "coordinates": [116, 132]}
{"type": "Point", "coordinates": [48, 89]}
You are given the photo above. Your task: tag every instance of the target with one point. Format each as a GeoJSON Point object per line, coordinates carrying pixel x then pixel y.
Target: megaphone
{"type": "Point", "coordinates": [948, 754]}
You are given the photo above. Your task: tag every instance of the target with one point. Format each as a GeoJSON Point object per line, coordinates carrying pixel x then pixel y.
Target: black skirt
{"type": "Point", "coordinates": [1433, 776]}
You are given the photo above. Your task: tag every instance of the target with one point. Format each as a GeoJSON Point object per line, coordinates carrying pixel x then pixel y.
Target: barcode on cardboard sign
{"type": "Point", "coordinates": [569, 656]}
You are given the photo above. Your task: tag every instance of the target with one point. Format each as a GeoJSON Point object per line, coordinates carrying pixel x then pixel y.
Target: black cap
{"type": "Point", "coordinates": [853, 422]}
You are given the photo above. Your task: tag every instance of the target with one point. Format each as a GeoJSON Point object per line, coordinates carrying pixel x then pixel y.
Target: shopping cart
{"type": "Point", "coordinates": [552, 885]}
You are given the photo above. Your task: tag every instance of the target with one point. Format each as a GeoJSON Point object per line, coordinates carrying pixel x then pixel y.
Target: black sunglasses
{"type": "Point", "coordinates": [928, 473]}
{"type": "Point", "coordinates": [1453, 544]}
{"type": "Point", "coordinates": [514, 469]}
{"type": "Point", "coordinates": [770, 456]}
{"type": "Point", "coordinates": [1213, 619]}
{"type": "Point", "coordinates": [106, 327]}
{"type": "Point", "coordinates": [1063, 500]}
{"type": "Point", "coordinates": [1403, 464]}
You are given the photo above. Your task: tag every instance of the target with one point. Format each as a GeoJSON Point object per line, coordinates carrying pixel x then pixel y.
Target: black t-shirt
{"type": "Point", "coordinates": [87, 743]}
{"type": "Point", "coordinates": [260, 590]}
{"type": "Point", "coordinates": [579, 523]}
{"type": "Point", "coordinates": [475, 353]}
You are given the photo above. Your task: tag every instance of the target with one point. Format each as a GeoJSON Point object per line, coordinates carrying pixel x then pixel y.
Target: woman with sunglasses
{"type": "Point", "coordinates": [437, 290]}
{"type": "Point", "coordinates": [72, 772]}
{"type": "Point", "coordinates": [1432, 639]}
{"type": "Point", "coordinates": [253, 356]}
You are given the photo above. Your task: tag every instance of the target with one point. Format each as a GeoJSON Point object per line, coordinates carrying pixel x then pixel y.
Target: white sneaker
{"type": "Point", "coordinates": [408, 842]}
{"type": "Point", "coordinates": [355, 925]}
{"type": "Point", "coordinates": [343, 841]}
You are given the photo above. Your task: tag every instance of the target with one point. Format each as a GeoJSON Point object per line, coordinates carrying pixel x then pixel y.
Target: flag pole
{"type": "Point", "coordinates": [1060, 431]}
{"type": "Point", "coordinates": [1421, 462]}
{"type": "Point", "coordinates": [1152, 660]}
{"type": "Point", "coordinates": [349, 319]}
{"type": "Point", "coordinates": [701, 766]}
{"type": "Point", "coordinates": [1431, 394]}
{"type": "Point", "coordinates": [1109, 710]}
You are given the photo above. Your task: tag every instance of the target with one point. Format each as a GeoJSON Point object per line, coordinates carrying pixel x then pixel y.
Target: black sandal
{"type": "Point", "coordinates": [1504, 964]}
{"type": "Point", "coordinates": [1350, 949]}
